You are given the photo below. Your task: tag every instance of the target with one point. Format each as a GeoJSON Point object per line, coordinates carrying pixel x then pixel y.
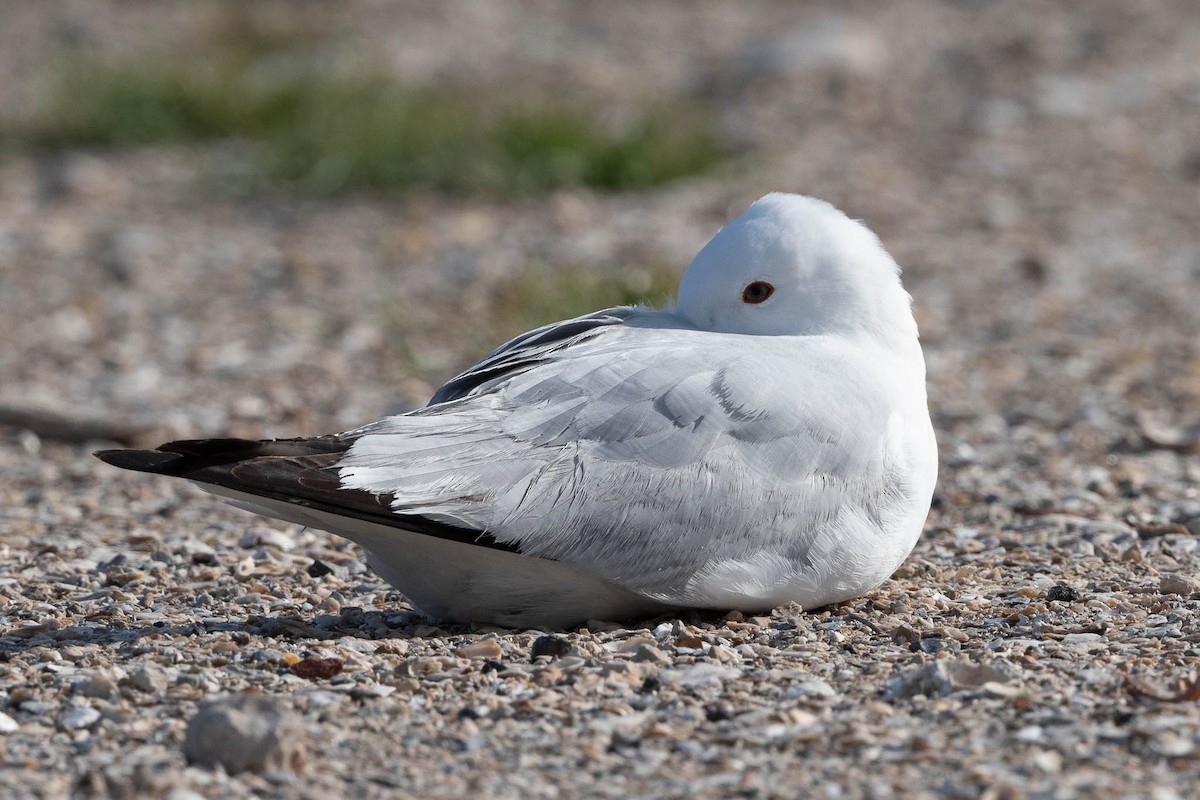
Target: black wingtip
{"type": "Point", "coordinates": [154, 461]}
{"type": "Point", "coordinates": [300, 471]}
{"type": "Point", "coordinates": [184, 456]}
{"type": "Point", "coordinates": [178, 457]}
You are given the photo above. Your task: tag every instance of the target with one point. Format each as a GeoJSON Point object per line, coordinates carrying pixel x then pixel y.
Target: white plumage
{"type": "Point", "coordinates": [736, 451]}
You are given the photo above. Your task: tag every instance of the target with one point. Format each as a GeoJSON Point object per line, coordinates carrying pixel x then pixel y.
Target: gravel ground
{"type": "Point", "coordinates": [1034, 167]}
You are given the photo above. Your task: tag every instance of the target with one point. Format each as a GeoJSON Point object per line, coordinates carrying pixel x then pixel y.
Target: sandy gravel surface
{"type": "Point", "coordinates": [1034, 167]}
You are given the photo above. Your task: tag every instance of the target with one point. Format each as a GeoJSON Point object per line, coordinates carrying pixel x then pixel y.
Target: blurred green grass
{"type": "Point", "coordinates": [322, 131]}
{"type": "Point", "coordinates": [542, 294]}
{"type": "Point", "coordinates": [539, 295]}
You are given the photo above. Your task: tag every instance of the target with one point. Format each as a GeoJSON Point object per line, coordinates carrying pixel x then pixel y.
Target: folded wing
{"type": "Point", "coordinates": [650, 455]}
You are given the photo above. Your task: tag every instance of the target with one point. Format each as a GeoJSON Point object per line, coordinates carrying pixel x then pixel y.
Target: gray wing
{"type": "Point", "coordinates": [649, 454]}
{"type": "Point", "coordinates": [528, 350]}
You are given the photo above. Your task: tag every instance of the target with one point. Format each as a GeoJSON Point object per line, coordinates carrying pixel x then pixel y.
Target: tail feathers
{"type": "Point", "coordinates": [140, 460]}
{"type": "Point", "coordinates": [303, 472]}
{"type": "Point", "coordinates": [187, 455]}
{"type": "Point", "coordinates": [449, 571]}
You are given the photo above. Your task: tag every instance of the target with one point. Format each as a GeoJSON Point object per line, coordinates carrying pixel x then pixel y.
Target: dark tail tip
{"type": "Point", "coordinates": [141, 460]}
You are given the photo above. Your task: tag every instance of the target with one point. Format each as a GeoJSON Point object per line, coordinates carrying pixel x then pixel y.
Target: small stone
{"type": "Point", "coordinates": [951, 632]}
{"type": "Point", "coordinates": [625, 739]}
{"type": "Point", "coordinates": [938, 644]}
{"type": "Point", "coordinates": [719, 712]}
{"type": "Point", "coordinates": [837, 45]}
{"type": "Point", "coordinates": [179, 793]}
{"type": "Point", "coordinates": [318, 569]}
{"type": "Point", "coordinates": [571, 662]}
{"type": "Point", "coordinates": [478, 711]}
{"type": "Point", "coordinates": [691, 642]}
{"type": "Point", "coordinates": [7, 723]}
{"type": "Point", "coordinates": [259, 537]}
{"type": "Point", "coordinates": [246, 732]}
{"type": "Point", "coordinates": [664, 629]}
{"type": "Point", "coordinates": [602, 626]}
{"type": "Point", "coordinates": [471, 744]}
{"type": "Point", "coordinates": [484, 648]}
{"type": "Point", "coordinates": [73, 652]}
{"type": "Point", "coordinates": [1153, 529]}
{"type": "Point", "coordinates": [1086, 640]}
{"type": "Point", "coordinates": [552, 646]}
{"type": "Point", "coordinates": [812, 688]}
{"type": "Point", "coordinates": [1063, 593]}
{"type": "Point", "coordinates": [1048, 761]}
{"type": "Point", "coordinates": [547, 676]}
{"type": "Point", "coordinates": [650, 654]}
{"type": "Point", "coordinates": [942, 678]}
{"type": "Point", "coordinates": [121, 574]}
{"type": "Point", "coordinates": [1188, 693]}
{"type": "Point", "coordinates": [1071, 96]}
{"type": "Point", "coordinates": [318, 668]}
{"type": "Point", "coordinates": [904, 634]}
{"type": "Point", "coordinates": [1162, 434]}
{"type": "Point", "coordinates": [94, 684]}
{"type": "Point", "coordinates": [699, 674]}
{"type": "Point", "coordinates": [1171, 744]}
{"type": "Point", "coordinates": [1134, 554]}
{"type": "Point", "coordinates": [21, 694]}
{"type": "Point", "coordinates": [645, 652]}
{"type": "Point", "coordinates": [1178, 584]}
{"type": "Point", "coordinates": [81, 717]}
{"type": "Point", "coordinates": [371, 691]}
{"type": "Point", "coordinates": [1030, 733]}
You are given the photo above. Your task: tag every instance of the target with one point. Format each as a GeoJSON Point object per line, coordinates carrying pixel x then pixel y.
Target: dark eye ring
{"type": "Point", "coordinates": [757, 292]}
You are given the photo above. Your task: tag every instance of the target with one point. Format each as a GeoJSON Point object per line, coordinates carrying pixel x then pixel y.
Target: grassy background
{"type": "Point", "coordinates": [283, 108]}
{"type": "Point", "coordinates": [540, 294]}
{"type": "Point", "coordinates": [319, 128]}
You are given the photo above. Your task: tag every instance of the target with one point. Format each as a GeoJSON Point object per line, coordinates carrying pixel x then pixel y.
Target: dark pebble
{"type": "Point", "coordinates": [318, 569]}
{"type": "Point", "coordinates": [553, 646]}
{"type": "Point", "coordinates": [1064, 593]}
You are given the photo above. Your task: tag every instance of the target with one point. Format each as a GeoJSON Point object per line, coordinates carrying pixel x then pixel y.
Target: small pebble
{"type": "Point", "coordinates": [95, 684]}
{"type": "Point", "coordinates": [246, 732]}
{"type": "Point", "coordinates": [318, 668]}
{"type": "Point", "coordinates": [552, 646]}
{"type": "Point", "coordinates": [645, 652]}
{"type": "Point", "coordinates": [1063, 593]}
{"type": "Point", "coordinates": [149, 678]}
{"type": "Point", "coordinates": [484, 648]}
{"type": "Point", "coordinates": [318, 569]}
{"type": "Point", "coordinates": [81, 717]}
{"type": "Point", "coordinates": [1175, 583]}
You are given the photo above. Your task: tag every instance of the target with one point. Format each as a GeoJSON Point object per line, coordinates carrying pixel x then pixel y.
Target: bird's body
{"type": "Point", "coordinates": [767, 440]}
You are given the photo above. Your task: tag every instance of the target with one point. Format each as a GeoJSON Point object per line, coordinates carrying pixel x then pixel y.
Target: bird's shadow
{"type": "Point", "coordinates": [352, 622]}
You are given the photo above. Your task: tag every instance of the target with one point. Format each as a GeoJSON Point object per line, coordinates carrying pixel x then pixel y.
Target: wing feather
{"type": "Point", "coordinates": [630, 447]}
{"type": "Point", "coordinates": [299, 472]}
{"type": "Point", "coordinates": [528, 350]}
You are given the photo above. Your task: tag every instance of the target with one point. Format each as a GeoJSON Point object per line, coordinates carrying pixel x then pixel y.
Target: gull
{"type": "Point", "coordinates": [765, 439]}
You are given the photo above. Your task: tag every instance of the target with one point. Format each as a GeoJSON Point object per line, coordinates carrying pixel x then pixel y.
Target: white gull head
{"type": "Point", "coordinates": [794, 265]}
